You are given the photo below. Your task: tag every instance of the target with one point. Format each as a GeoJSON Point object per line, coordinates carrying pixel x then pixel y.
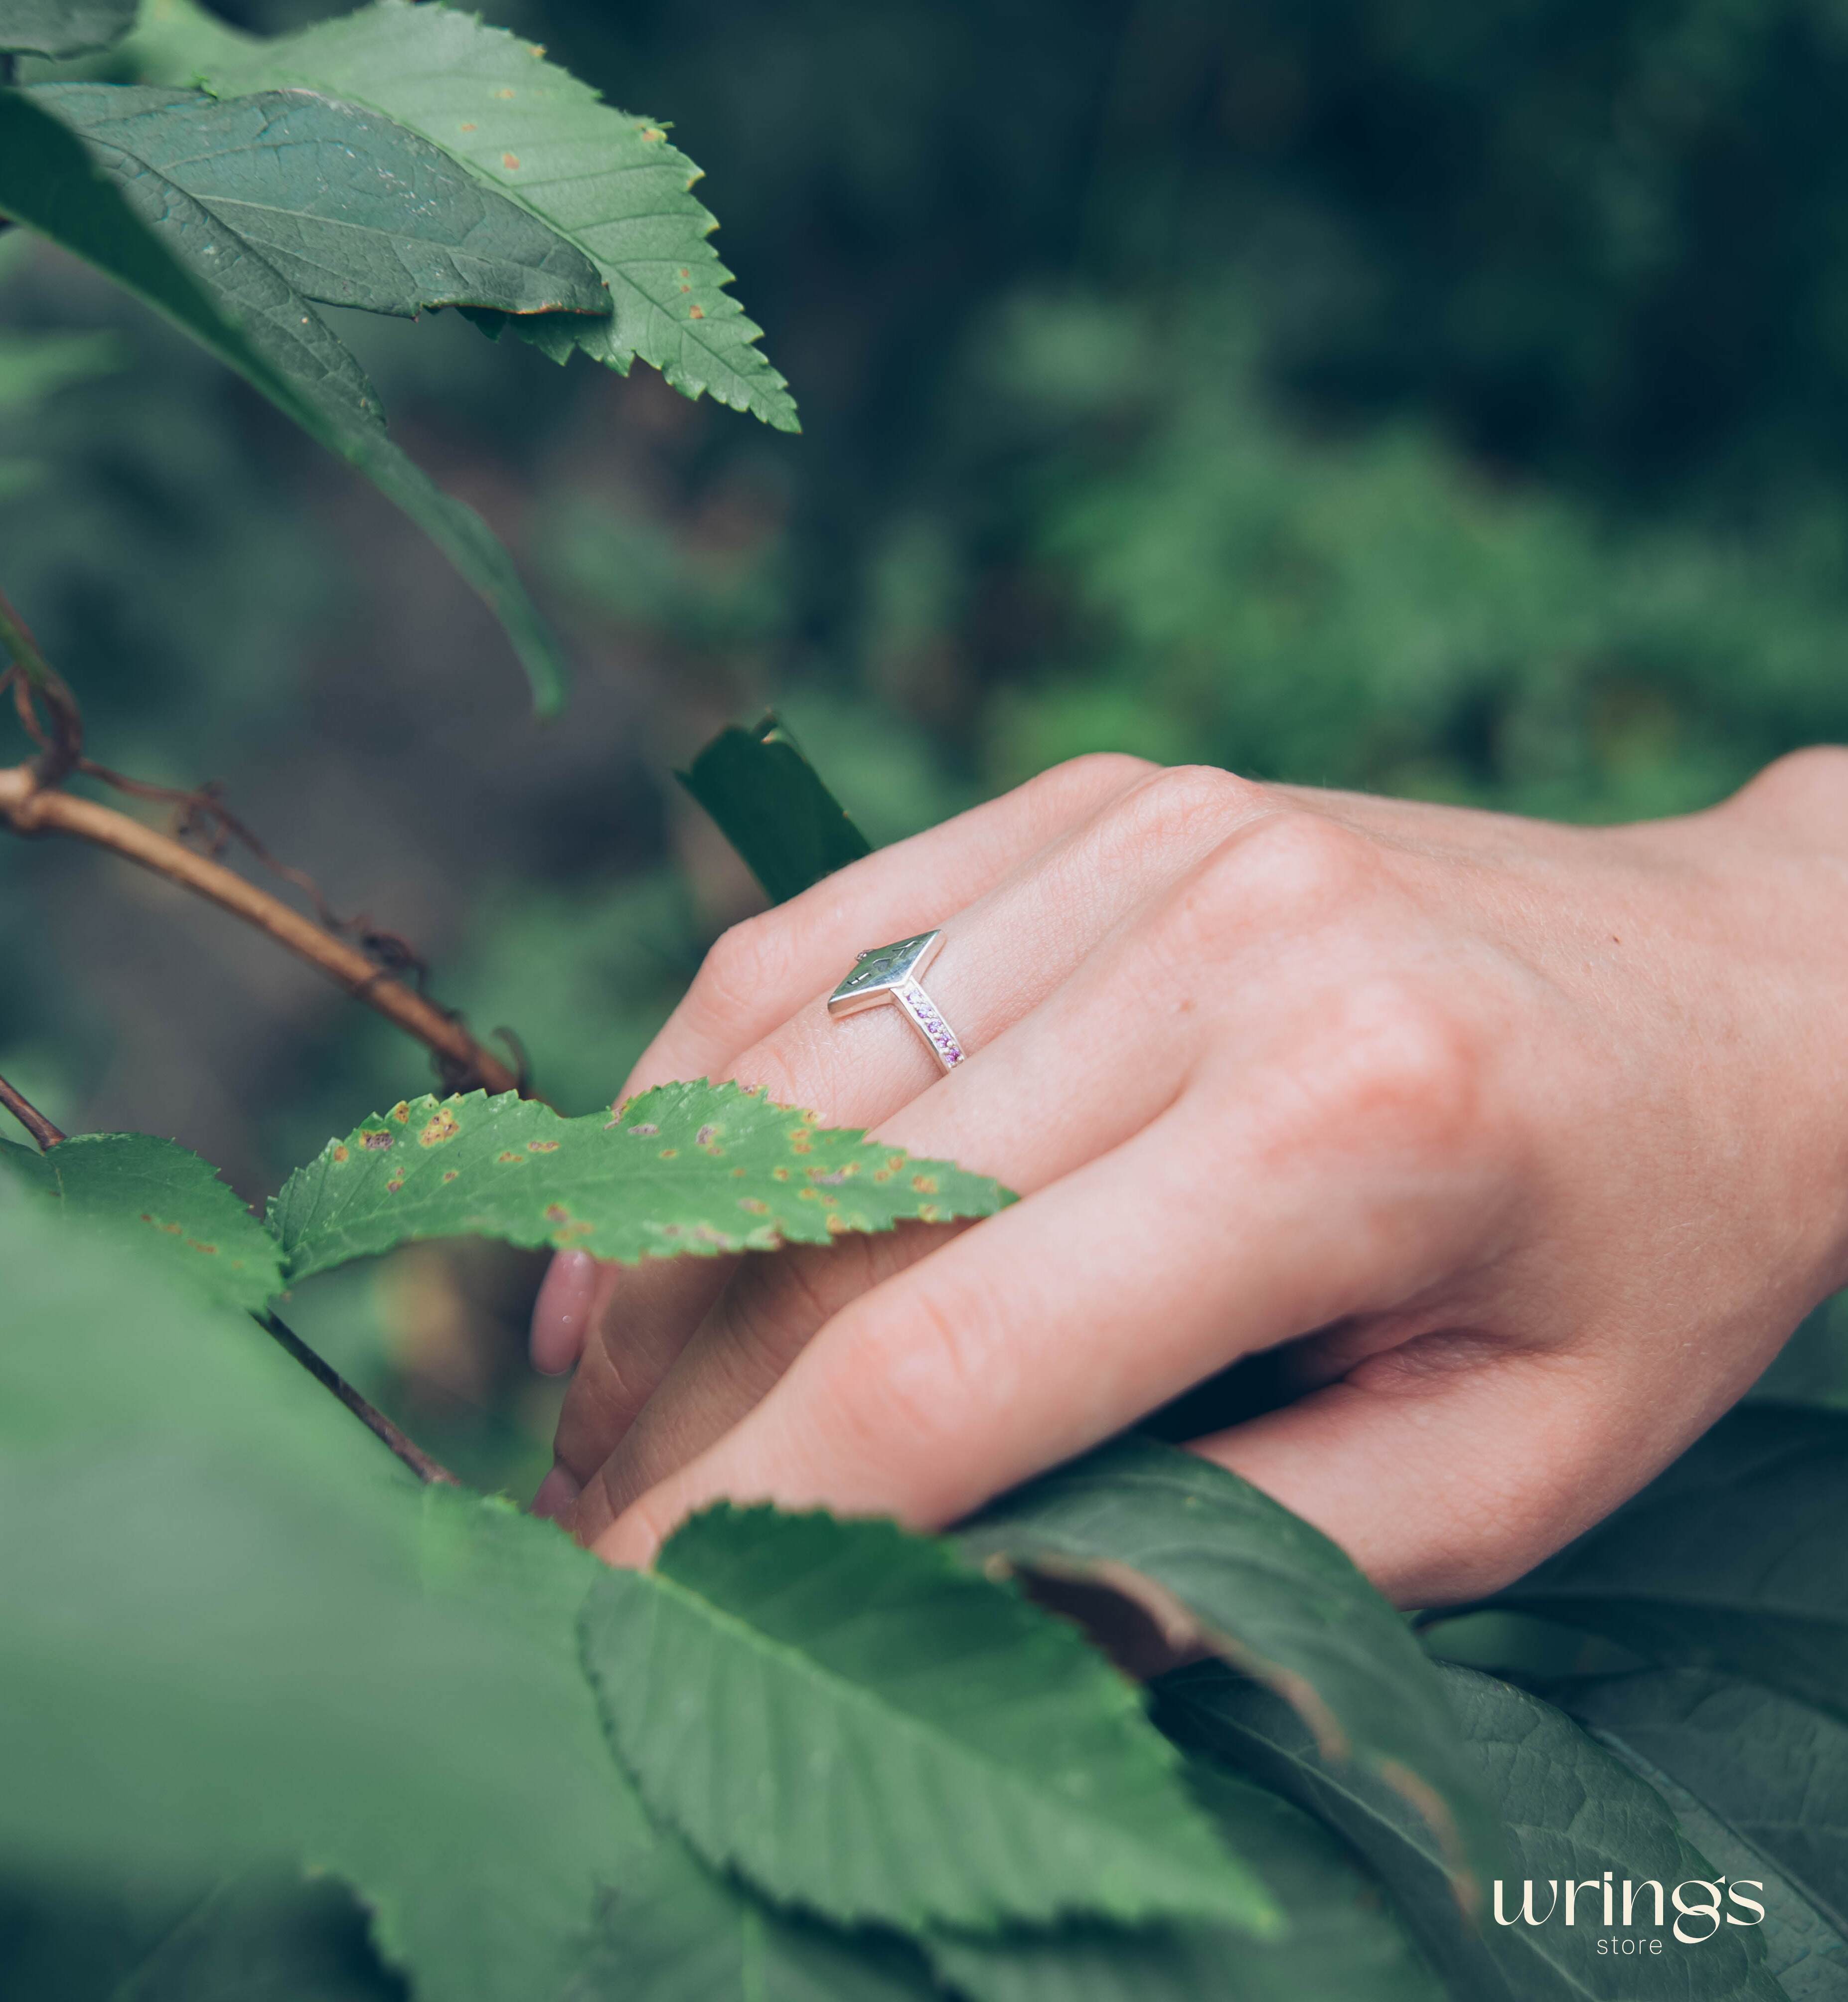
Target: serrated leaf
{"type": "Point", "coordinates": [609, 180]}
{"type": "Point", "coordinates": [1222, 1567]}
{"type": "Point", "coordinates": [344, 206]}
{"type": "Point", "coordinates": [233, 1629]}
{"type": "Point", "coordinates": [1572, 1811]}
{"type": "Point", "coordinates": [699, 1167]}
{"type": "Point", "coordinates": [771, 805]}
{"type": "Point", "coordinates": [1804, 1950]}
{"type": "Point", "coordinates": [858, 1723]}
{"type": "Point", "coordinates": [1734, 1558]}
{"type": "Point", "coordinates": [148, 235]}
{"type": "Point", "coordinates": [1343, 1943]}
{"type": "Point", "coordinates": [162, 1198]}
{"type": "Point", "coordinates": [63, 27]}
{"type": "Point", "coordinates": [1770, 1767]}
{"type": "Point", "coordinates": [679, 1932]}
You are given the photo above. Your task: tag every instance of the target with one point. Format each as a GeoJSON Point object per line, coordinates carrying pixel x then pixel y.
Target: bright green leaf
{"type": "Point", "coordinates": [699, 1167]}
{"type": "Point", "coordinates": [859, 1723]}
{"type": "Point", "coordinates": [1572, 1812]}
{"type": "Point", "coordinates": [342, 205]}
{"type": "Point", "coordinates": [163, 1198]}
{"type": "Point", "coordinates": [771, 806]}
{"type": "Point", "coordinates": [149, 236]}
{"type": "Point", "coordinates": [1344, 1944]}
{"type": "Point", "coordinates": [1222, 1567]}
{"type": "Point", "coordinates": [234, 1629]}
{"type": "Point", "coordinates": [679, 1932]}
{"type": "Point", "coordinates": [607, 179]}
{"type": "Point", "coordinates": [63, 27]}
{"type": "Point", "coordinates": [1735, 1558]}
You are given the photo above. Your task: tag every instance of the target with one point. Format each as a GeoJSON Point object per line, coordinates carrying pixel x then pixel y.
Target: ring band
{"type": "Point", "coordinates": [890, 973]}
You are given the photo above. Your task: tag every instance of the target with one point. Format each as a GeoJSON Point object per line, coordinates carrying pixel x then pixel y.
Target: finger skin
{"type": "Point", "coordinates": [1217, 1231]}
{"type": "Point", "coordinates": [763, 971]}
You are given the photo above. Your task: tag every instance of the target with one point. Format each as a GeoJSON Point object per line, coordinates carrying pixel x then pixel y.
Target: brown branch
{"type": "Point", "coordinates": [30, 1117]}
{"type": "Point", "coordinates": [369, 1415]}
{"type": "Point", "coordinates": [28, 807]}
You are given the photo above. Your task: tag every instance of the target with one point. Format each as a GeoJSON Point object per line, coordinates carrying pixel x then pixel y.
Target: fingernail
{"type": "Point", "coordinates": [561, 1313]}
{"type": "Point", "coordinates": [556, 1493]}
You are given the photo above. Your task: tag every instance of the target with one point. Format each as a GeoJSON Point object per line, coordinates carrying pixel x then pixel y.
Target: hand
{"type": "Point", "coordinates": [1530, 1140]}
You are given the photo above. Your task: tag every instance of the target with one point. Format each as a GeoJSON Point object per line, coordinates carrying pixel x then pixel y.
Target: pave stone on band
{"type": "Point", "coordinates": [890, 973]}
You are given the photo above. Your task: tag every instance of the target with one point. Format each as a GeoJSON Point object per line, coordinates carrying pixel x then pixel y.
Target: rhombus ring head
{"type": "Point", "coordinates": [890, 973]}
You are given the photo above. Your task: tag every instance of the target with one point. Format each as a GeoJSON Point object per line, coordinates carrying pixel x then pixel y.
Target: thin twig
{"type": "Point", "coordinates": [30, 808]}
{"type": "Point", "coordinates": [369, 1415]}
{"type": "Point", "coordinates": [30, 1117]}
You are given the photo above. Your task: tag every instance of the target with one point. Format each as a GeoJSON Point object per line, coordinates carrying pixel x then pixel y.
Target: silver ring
{"type": "Point", "coordinates": [890, 973]}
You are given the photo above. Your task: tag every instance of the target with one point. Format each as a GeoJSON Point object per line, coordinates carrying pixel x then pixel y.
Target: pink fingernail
{"type": "Point", "coordinates": [561, 1314]}
{"type": "Point", "coordinates": [556, 1493]}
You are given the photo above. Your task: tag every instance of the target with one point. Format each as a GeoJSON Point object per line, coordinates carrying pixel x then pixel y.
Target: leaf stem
{"type": "Point", "coordinates": [30, 807]}
{"type": "Point", "coordinates": [30, 1117]}
{"type": "Point", "coordinates": [369, 1415]}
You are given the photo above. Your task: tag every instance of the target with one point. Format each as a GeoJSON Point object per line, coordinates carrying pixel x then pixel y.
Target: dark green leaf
{"type": "Point", "coordinates": [261, 1938]}
{"type": "Point", "coordinates": [233, 1628]}
{"type": "Point", "coordinates": [148, 235]}
{"type": "Point", "coordinates": [35, 365]}
{"type": "Point", "coordinates": [1572, 1810]}
{"type": "Point", "coordinates": [1735, 1558]}
{"type": "Point", "coordinates": [857, 1722]}
{"type": "Point", "coordinates": [341, 204]}
{"type": "Point", "coordinates": [1804, 1949]}
{"type": "Point", "coordinates": [607, 179]}
{"type": "Point", "coordinates": [773, 807]}
{"type": "Point", "coordinates": [1223, 1568]}
{"type": "Point", "coordinates": [161, 1198]}
{"type": "Point", "coordinates": [699, 1167]}
{"type": "Point", "coordinates": [1772, 1768]}
{"type": "Point", "coordinates": [63, 27]}
{"type": "Point", "coordinates": [1344, 1943]}
{"type": "Point", "coordinates": [679, 1932]}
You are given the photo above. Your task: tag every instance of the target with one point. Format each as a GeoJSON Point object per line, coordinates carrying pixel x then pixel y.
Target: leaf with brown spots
{"type": "Point", "coordinates": [699, 1167]}
{"type": "Point", "coordinates": [163, 1197]}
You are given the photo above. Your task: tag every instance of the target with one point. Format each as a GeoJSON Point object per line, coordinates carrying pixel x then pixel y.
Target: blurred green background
{"type": "Point", "coordinates": [1444, 399]}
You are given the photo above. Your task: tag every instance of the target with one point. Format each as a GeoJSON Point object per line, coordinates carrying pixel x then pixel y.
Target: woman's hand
{"type": "Point", "coordinates": [1531, 1141]}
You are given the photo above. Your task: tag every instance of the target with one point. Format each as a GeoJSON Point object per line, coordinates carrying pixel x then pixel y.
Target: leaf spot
{"type": "Point", "coordinates": [374, 1141]}
{"type": "Point", "coordinates": [519, 1160]}
{"type": "Point", "coordinates": [341, 1154]}
{"type": "Point", "coordinates": [698, 313]}
{"type": "Point", "coordinates": [556, 1212]}
{"type": "Point", "coordinates": [443, 1125]}
{"type": "Point", "coordinates": [669, 1153]}
{"type": "Point", "coordinates": [542, 1146]}
{"type": "Point", "coordinates": [401, 1112]}
{"type": "Point", "coordinates": [503, 93]}
{"type": "Point", "coordinates": [468, 128]}
{"type": "Point", "coordinates": [645, 1131]}
{"type": "Point", "coordinates": [649, 132]}
{"type": "Point", "coordinates": [705, 1135]}
{"type": "Point", "coordinates": [449, 1174]}
{"type": "Point", "coordinates": [754, 1205]}
{"type": "Point", "coordinates": [511, 161]}
{"type": "Point", "coordinates": [924, 1184]}
{"type": "Point", "coordinates": [394, 1185]}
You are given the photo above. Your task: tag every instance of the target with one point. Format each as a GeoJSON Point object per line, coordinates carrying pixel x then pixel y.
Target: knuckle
{"type": "Point", "coordinates": [1404, 1065]}
{"type": "Point", "coordinates": [745, 962]}
{"type": "Point", "coordinates": [1097, 774]}
{"type": "Point", "coordinates": [1302, 861]}
{"type": "Point", "coordinates": [1177, 803]}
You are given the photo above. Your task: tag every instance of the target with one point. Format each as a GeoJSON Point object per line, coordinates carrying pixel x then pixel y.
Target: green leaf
{"type": "Point", "coordinates": [1222, 1567]}
{"type": "Point", "coordinates": [147, 234]}
{"type": "Point", "coordinates": [858, 1723]}
{"type": "Point", "coordinates": [773, 807]}
{"type": "Point", "coordinates": [1772, 1769]}
{"type": "Point", "coordinates": [234, 1630]}
{"type": "Point", "coordinates": [1804, 1949]}
{"type": "Point", "coordinates": [699, 1167]}
{"type": "Point", "coordinates": [260, 1936]}
{"type": "Point", "coordinates": [1735, 1558]}
{"type": "Point", "coordinates": [163, 1198]}
{"type": "Point", "coordinates": [63, 27]}
{"type": "Point", "coordinates": [1571, 1810]}
{"type": "Point", "coordinates": [1343, 1943]}
{"type": "Point", "coordinates": [607, 179]}
{"type": "Point", "coordinates": [679, 1932]}
{"type": "Point", "coordinates": [33, 366]}
{"type": "Point", "coordinates": [344, 206]}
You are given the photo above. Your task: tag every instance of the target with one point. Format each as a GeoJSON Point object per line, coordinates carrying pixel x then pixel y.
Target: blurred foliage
{"type": "Point", "coordinates": [1377, 392]}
